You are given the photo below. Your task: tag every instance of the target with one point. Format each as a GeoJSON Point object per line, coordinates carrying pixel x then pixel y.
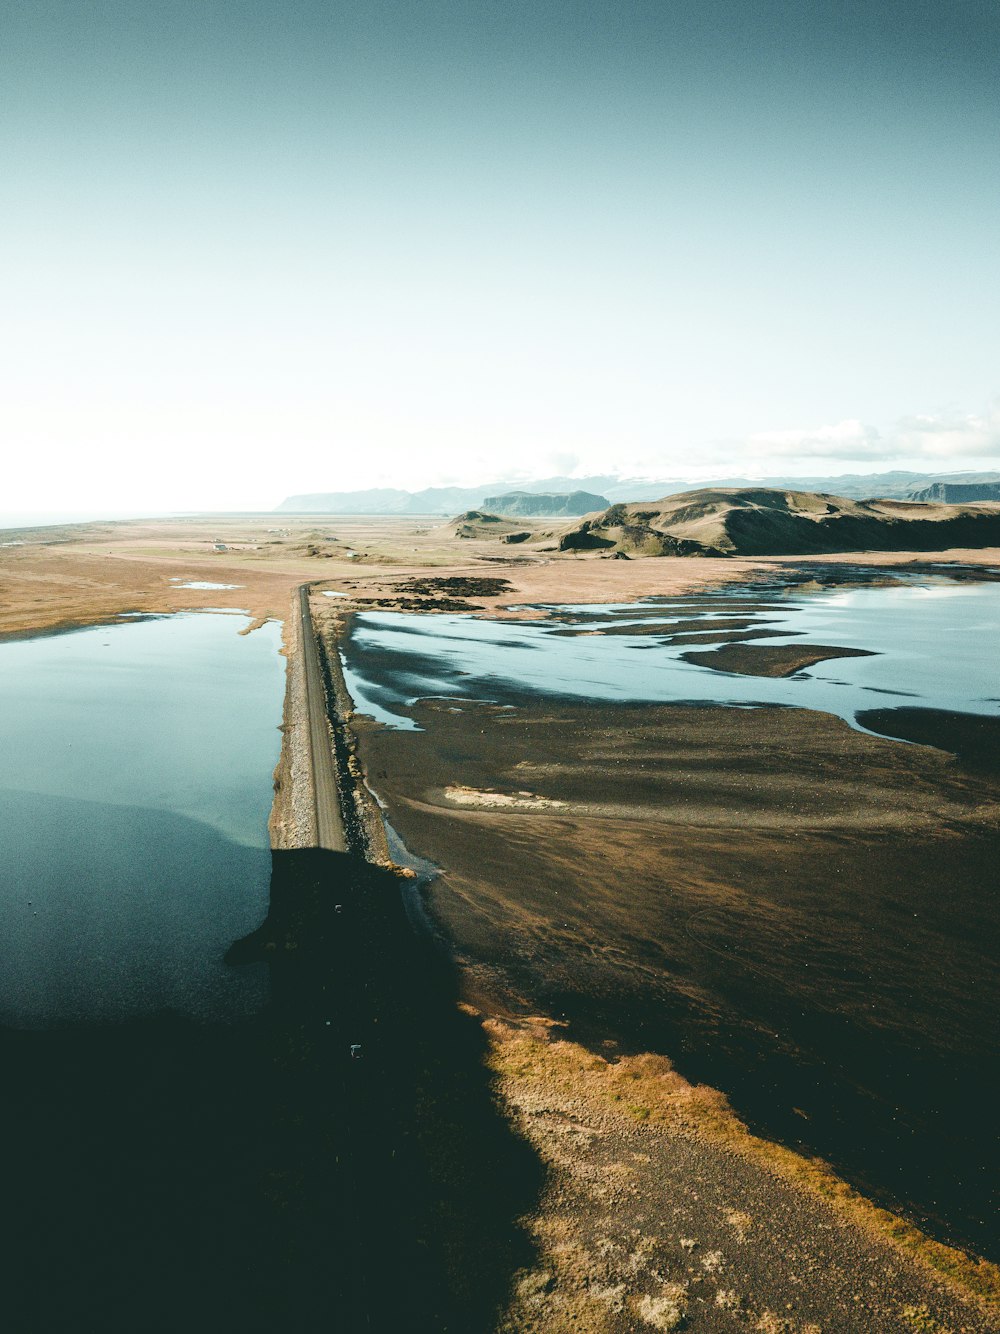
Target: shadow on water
{"type": "Point", "coordinates": [166, 1175]}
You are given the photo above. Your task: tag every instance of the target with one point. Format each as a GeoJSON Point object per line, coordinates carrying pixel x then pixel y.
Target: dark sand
{"type": "Point", "coordinates": [974, 739]}
{"type": "Point", "coordinates": [797, 913]}
{"type": "Point", "coordinates": [770, 659]}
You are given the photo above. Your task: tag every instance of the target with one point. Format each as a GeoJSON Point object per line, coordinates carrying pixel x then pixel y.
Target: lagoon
{"type": "Point", "coordinates": [134, 796]}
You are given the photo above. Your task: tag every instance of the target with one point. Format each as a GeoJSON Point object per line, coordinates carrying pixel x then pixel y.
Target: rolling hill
{"type": "Point", "coordinates": [478, 525]}
{"type": "Point", "coordinates": [767, 521]}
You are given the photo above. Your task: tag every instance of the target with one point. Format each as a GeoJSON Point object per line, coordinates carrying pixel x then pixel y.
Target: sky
{"type": "Point", "coordinates": [261, 247]}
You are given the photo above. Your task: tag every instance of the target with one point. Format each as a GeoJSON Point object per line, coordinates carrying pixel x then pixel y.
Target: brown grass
{"type": "Point", "coordinates": [648, 1090]}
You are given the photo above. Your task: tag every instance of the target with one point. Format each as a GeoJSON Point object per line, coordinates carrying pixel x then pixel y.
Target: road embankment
{"type": "Point", "coordinates": [320, 798]}
{"type": "Point", "coordinates": [328, 819]}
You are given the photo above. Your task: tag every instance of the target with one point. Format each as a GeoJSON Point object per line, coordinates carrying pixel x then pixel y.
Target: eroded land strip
{"type": "Point", "coordinates": [320, 798]}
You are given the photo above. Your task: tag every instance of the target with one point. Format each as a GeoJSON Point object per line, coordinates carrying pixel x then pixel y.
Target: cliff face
{"type": "Point", "coordinates": [526, 503]}
{"type": "Point", "coordinates": [958, 493]}
{"type": "Point", "coordinates": [762, 521]}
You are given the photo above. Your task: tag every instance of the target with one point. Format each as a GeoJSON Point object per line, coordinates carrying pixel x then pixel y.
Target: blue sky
{"type": "Point", "coordinates": [253, 248]}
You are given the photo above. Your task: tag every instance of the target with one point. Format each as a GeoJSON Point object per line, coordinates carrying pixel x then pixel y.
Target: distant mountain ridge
{"type": "Point", "coordinates": [450, 500]}
{"type": "Point", "coordinates": [958, 493]}
{"type": "Point", "coordinates": [531, 504]}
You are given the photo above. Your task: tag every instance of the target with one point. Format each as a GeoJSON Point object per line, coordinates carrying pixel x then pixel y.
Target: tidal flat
{"type": "Point", "coordinates": [798, 912]}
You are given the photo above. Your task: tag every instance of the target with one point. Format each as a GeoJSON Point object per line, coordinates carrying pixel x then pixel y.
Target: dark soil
{"type": "Point", "coordinates": [458, 585]}
{"type": "Point", "coordinates": [419, 604]}
{"type": "Point", "coordinates": [793, 911]}
{"type": "Point", "coordinates": [973, 738]}
{"type": "Point", "coordinates": [769, 659]}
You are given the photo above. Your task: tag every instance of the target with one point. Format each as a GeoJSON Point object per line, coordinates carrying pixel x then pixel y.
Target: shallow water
{"type": "Point", "coordinates": [933, 644]}
{"type": "Point", "coordinates": [133, 817]}
{"type": "Point", "coordinates": [202, 583]}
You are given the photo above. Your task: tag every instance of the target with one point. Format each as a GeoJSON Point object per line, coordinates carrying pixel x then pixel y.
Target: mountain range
{"type": "Point", "coordinates": [449, 500]}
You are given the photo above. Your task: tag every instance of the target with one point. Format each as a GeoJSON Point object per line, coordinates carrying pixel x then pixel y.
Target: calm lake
{"type": "Point", "coordinates": [134, 798]}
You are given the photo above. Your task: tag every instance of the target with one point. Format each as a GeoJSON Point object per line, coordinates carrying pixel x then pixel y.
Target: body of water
{"type": "Point", "coordinates": [134, 797]}
{"type": "Point", "coordinates": [202, 583]}
{"type": "Point", "coordinates": [931, 646]}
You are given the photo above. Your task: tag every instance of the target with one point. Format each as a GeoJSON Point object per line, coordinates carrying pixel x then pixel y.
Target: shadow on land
{"type": "Point", "coordinates": [165, 1175]}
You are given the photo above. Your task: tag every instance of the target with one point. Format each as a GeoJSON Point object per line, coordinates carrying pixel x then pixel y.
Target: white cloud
{"type": "Point", "coordinates": [950, 435]}
{"type": "Point", "coordinates": [919, 438]}
{"type": "Point", "coordinates": [849, 439]}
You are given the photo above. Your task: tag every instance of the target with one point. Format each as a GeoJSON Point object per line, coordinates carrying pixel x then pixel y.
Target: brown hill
{"type": "Point", "coordinates": [480, 525]}
{"type": "Point", "coordinates": [763, 521]}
